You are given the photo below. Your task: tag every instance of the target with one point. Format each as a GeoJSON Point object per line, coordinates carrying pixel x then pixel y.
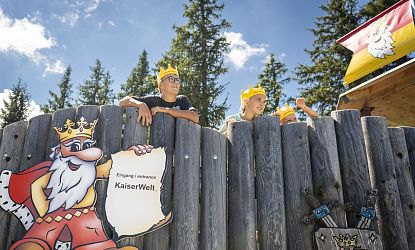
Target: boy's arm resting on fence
{"type": "Point", "coordinates": [144, 113]}
{"type": "Point", "coordinates": [191, 115]}
{"type": "Point", "coordinates": [310, 112]}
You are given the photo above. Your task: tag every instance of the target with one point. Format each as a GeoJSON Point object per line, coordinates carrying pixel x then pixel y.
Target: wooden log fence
{"type": "Point", "coordinates": [244, 191]}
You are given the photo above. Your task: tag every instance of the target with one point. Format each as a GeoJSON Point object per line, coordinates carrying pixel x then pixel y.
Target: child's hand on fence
{"type": "Point", "coordinates": [144, 114]}
{"type": "Point", "coordinates": [158, 109]}
{"type": "Point", "coordinates": [230, 120]}
{"type": "Point", "coordinates": [141, 149]}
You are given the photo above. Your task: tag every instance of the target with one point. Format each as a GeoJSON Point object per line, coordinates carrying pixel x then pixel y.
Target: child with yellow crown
{"type": "Point", "coordinates": [287, 113]}
{"type": "Point", "coordinates": [253, 102]}
{"type": "Point", "coordinates": [169, 101]}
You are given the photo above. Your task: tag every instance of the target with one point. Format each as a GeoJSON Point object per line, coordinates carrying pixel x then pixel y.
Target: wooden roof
{"type": "Point", "coordinates": [391, 94]}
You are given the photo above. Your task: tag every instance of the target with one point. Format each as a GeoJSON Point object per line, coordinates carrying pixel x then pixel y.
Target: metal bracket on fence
{"type": "Point", "coordinates": [368, 213]}
{"type": "Point", "coordinates": [321, 211]}
{"type": "Point", "coordinates": [332, 237]}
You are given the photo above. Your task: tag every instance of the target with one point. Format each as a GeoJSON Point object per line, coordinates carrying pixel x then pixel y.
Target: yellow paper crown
{"type": "Point", "coordinates": [285, 111]}
{"type": "Point", "coordinates": [169, 70]}
{"type": "Point", "coordinates": [250, 92]}
{"type": "Point", "coordinates": [70, 131]}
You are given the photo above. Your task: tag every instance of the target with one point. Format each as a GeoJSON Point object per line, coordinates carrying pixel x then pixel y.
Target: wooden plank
{"type": "Point", "coordinates": [10, 155]}
{"type": "Point", "coordinates": [58, 120]}
{"type": "Point", "coordinates": [186, 186]}
{"type": "Point", "coordinates": [405, 183]}
{"type": "Point", "coordinates": [241, 187]}
{"type": "Point", "coordinates": [297, 177]}
{"type": "Point", "coordinates": [162, 135]}
{"type": "Point", "coordinates": [270, 183]}
{"type": "Point", "coordinates": [134, 133]}
{"type": "Point", "coordinates": [34, 152]}
{"type": "Point", "coordinates": [410, 146]}
{"type": "Point", "coordinates": [352, 160]}
{"type": "Point", "coordinates": [213, 202]}
{"type": "Point", "coordinates": [325, 165]}
{"type": "Point", "coordinates": [109, 136]}
{"type": "Point", "coordinates": [382, 170]}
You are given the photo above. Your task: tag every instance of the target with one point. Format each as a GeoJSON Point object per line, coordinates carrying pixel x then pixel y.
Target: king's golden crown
{"type": "Point", "coordinates": [250, 92]}
{"type": "Point", "coordinates": [70, 130]}
{"type": "Point", "coordinates": [285, 111]}
{"type": "Point", "coordinates": [169, 70]}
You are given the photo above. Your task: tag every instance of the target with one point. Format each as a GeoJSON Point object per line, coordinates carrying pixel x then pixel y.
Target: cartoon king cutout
{"type": "Point", "coordinates": [54, 200]}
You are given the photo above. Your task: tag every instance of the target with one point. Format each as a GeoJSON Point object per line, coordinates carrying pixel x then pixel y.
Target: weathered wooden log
{"type": "Point", "coordinates": [186, 186]}
{"type": "Point", "coordinates": [410, 145]}
{"type": "Point", "coordinates": [270, 183]}
{"type": "Point", "coordinates": [34, 152]}
{"type": "Point", "coordinates": [325, 165]}
{"type": "Point", "coordinates": [92, 113]}
{"type": "Point", "coordinates": [405, 183]}
{"type": "Point", "coordinates": [109, 135]}
{"type": "Point", "coordinates": [297, 178]}
{"type": "Point", "coordinates": [241, 187]}
{"type": "Point", "coordinates": [162, 133]}
{"type": "Point", "coordinates": [10, 156]}
{"type": "Point", "coordinates": [353, 161]}
{"type": "Point", "coordinates": [382, 170]}
{"type": "Point", "coordinates": [213, 203]}
{"type": "Point", "coordinates": [134, 134]}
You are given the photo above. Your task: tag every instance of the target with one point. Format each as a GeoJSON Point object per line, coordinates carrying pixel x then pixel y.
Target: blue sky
{"type": "Point", "coordinates": [38, 39]}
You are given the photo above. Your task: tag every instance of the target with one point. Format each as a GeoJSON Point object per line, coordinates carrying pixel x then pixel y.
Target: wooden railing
{"type": "Point", "coordinates": [244, 191]}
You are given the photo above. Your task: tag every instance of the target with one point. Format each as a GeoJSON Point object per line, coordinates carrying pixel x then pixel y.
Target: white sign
{"type": "Point", "coordinates": [133, 204]}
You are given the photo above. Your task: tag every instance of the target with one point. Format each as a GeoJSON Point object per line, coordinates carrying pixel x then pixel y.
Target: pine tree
{"type": "Point", "coordinates": [198, 50]}
{"type": "Point", "coordinates": [272, 79]}
{"type": "Point", "coordinates": [140, 82]}
{"type": "Point", "coordinates": [63, 99]}
{"type": "Point", "coordinates": [97, 90]}
{"type": "Point", "coordinates": [16, 109]}
{"type": "Point", "coordinates": [323, 79]}
{"type": "Point", "coordinates": [374, 7]}
{"type": "Point", "coordinates": [106, 95]}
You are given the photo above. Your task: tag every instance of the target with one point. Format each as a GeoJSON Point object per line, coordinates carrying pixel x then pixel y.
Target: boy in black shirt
{"type": "Point", "coordinates": [167, 102]}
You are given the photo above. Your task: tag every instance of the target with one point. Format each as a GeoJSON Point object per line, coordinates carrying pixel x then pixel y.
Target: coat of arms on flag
{"type": "Point", "coordinates": [380, 41]}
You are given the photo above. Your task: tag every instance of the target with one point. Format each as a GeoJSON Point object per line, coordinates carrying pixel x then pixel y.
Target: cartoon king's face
{"type": "Point", "coordinates": [73, 169]}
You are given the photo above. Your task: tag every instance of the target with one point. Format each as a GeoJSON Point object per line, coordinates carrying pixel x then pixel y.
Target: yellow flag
{"type": "Point", "coordinates": [380, 41]}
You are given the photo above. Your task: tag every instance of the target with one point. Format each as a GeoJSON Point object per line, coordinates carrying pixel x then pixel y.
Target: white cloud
{"type": "Point", "coordinates": [240, 50]}
{"type": "Point", "coordinates": [111, 23]}
{"type": "Point", "coordinates": [24, 37]}
{"type": "Point", "coordinates": [33, 110]}
{"type": "Point", "coordinates": [282, 56]}
{"type": "Point", "coordinates": [71, 18]}
{"type": "Point", "coordinates": [57, 67]}
{"type": "Point", "coordinates": [91, 6]}
{"type": "Point", "coordinates": [279, 57]}
{"type": "Point", "coordinates": [27, 38]}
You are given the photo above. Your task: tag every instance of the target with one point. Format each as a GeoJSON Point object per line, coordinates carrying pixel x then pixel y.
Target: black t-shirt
{"type": "Point", "coordinates": [181, 103]}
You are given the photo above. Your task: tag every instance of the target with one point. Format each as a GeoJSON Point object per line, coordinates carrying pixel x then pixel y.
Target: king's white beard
{"type": "Point", "coordinates": [69, 187]}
